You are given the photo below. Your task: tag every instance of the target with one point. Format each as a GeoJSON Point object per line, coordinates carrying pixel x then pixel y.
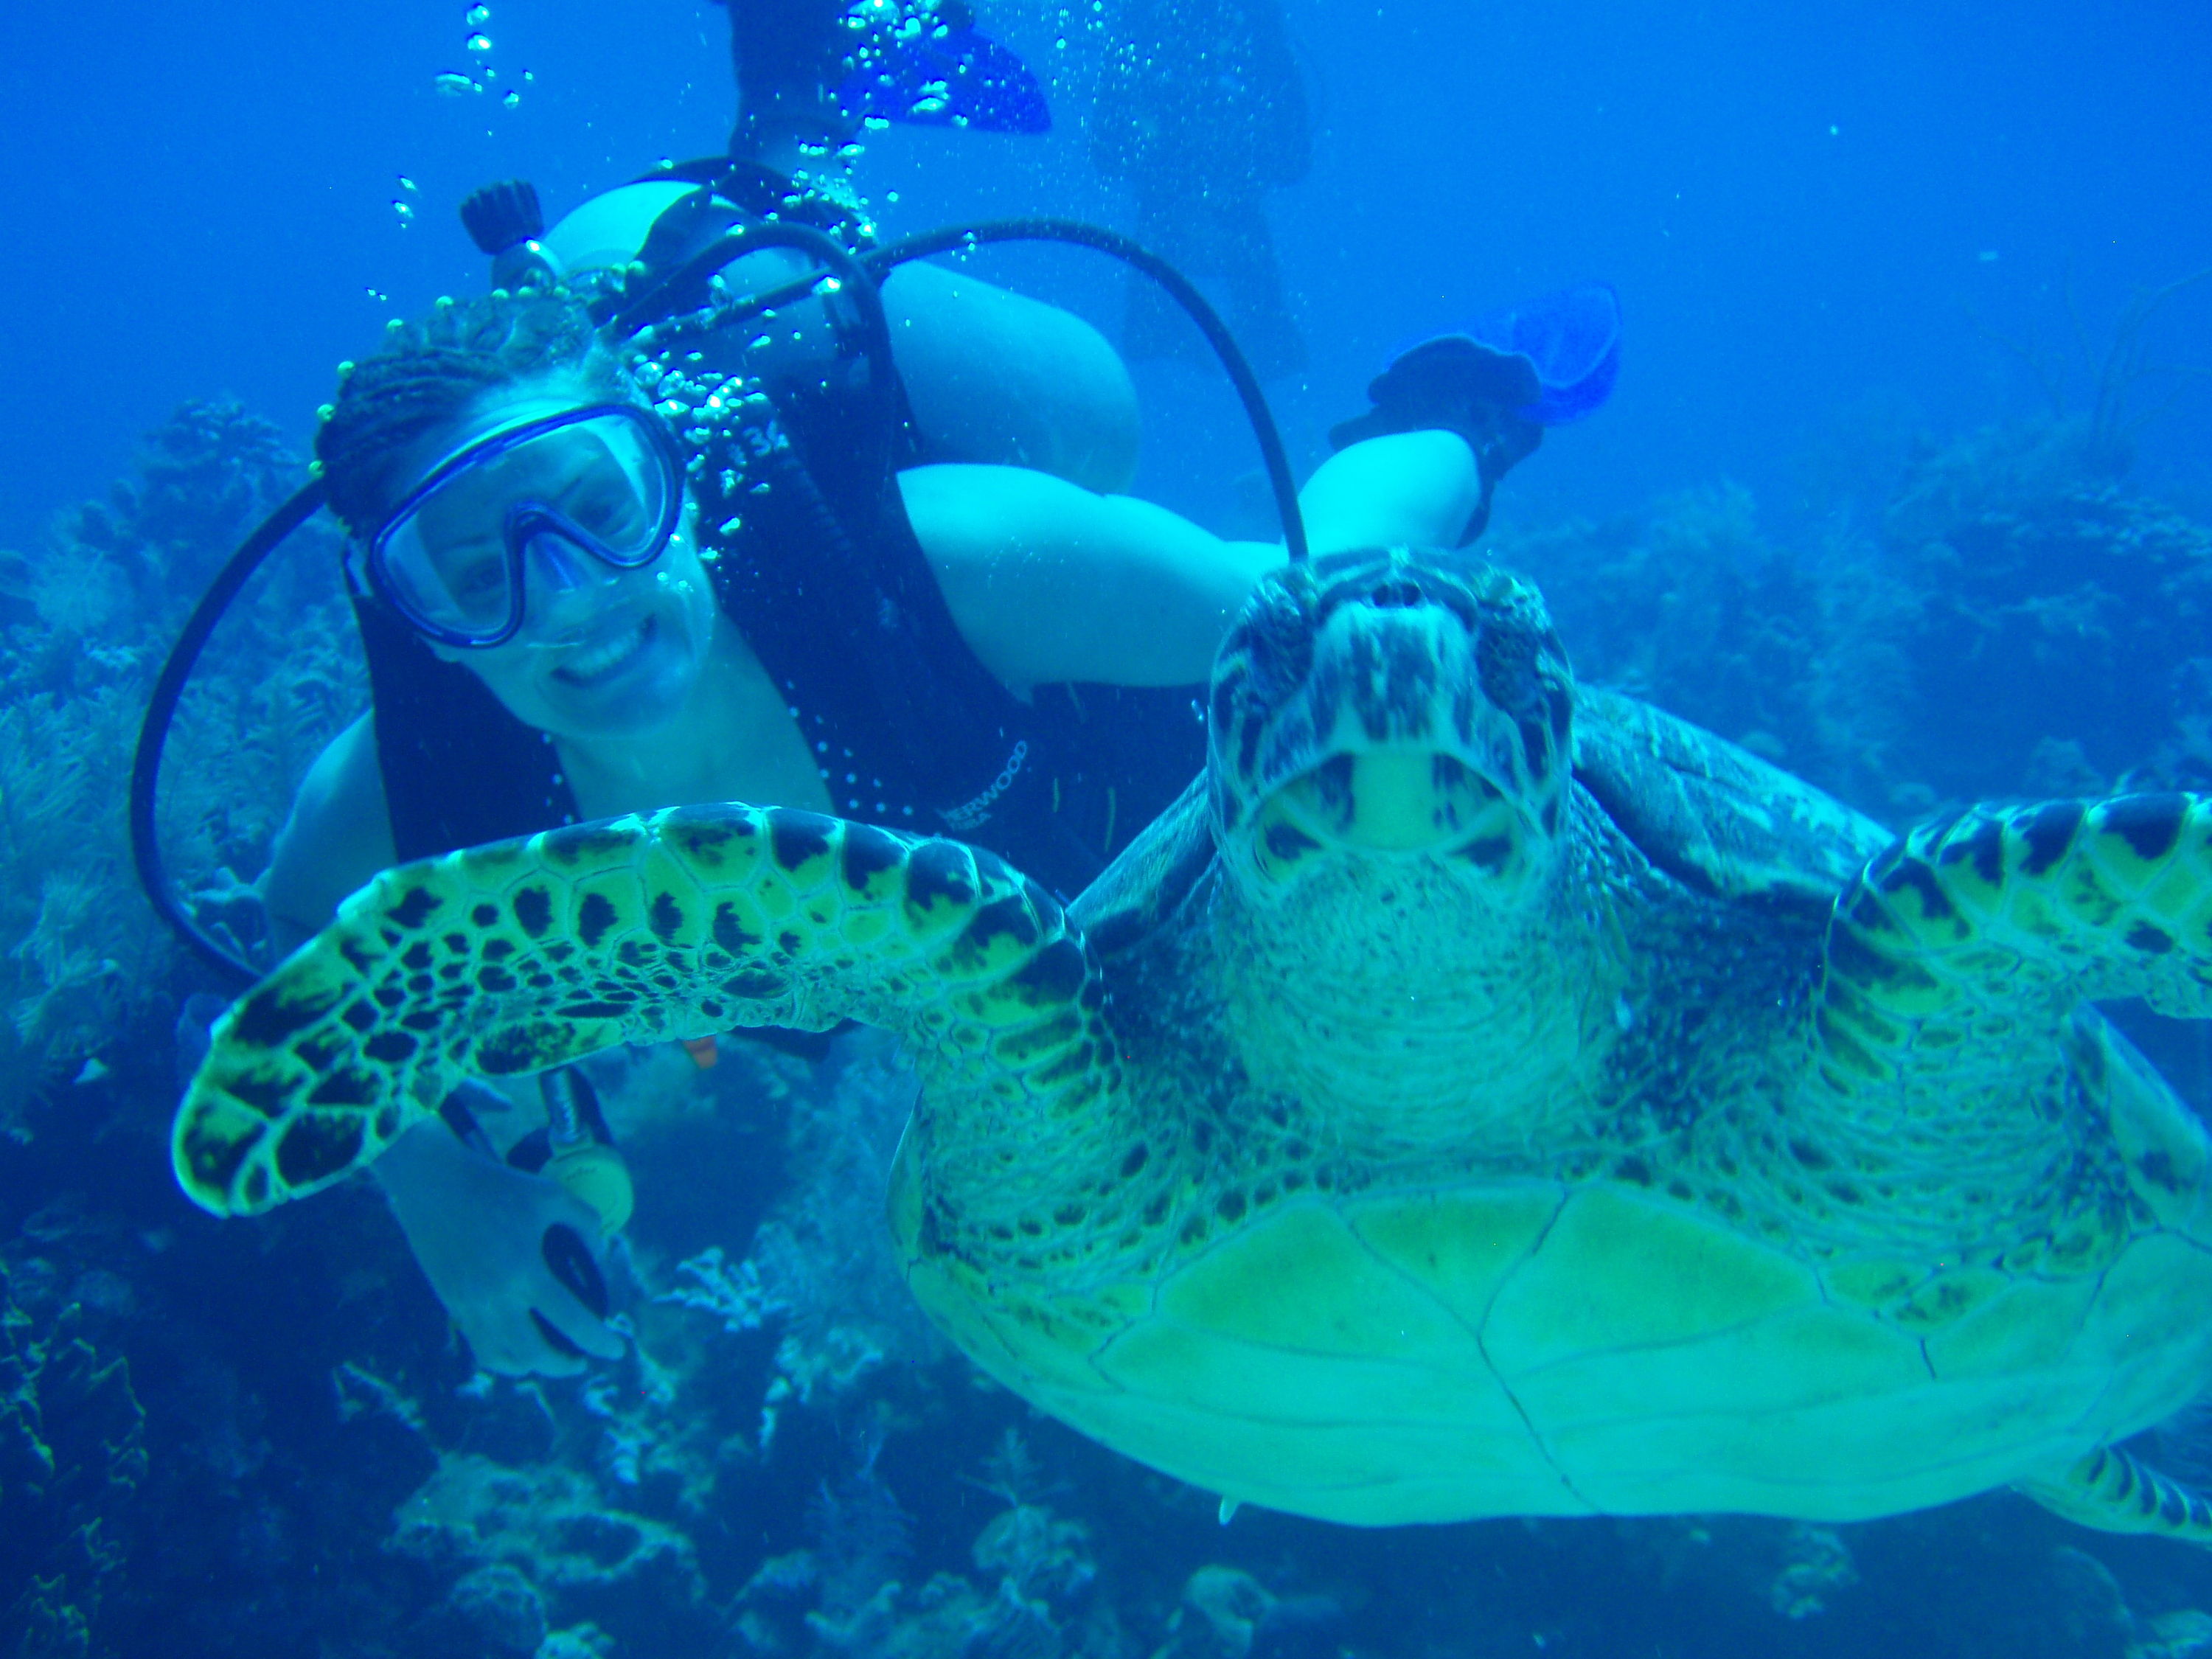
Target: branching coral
{"type": "Point", "coordinates": [72, 1452]}
{"type": "Point", "coordinates": [825, 1255]}
{"type": "Point", "coordinates": [2047, 606]}
{"type": "Point", "coordinates": [547, 1522]}
{"type": "Point", "coordinates": [91, 615]}
{"type": "Point", "coordinates": [731, 1292]}
{"type": "Point", "coordinates": [2119, 376]}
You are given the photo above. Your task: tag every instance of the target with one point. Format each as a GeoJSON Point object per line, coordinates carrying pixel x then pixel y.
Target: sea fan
{"type": "Point", "coordinates": [861, 1536]}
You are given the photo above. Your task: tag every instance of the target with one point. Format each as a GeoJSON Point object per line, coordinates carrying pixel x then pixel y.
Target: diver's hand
{"type": "Point", "coordinates": [487, 1237]}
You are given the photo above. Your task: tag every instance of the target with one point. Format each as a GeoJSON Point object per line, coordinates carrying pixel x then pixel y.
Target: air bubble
{"type": "Point", "coordinates": [480, 44]}
{"type": "Point", "coordinates": [511, 100]}
{"type": "Point", "coordinates": [455, 86]}
{"type": "Point", "coordinates": [478, 17]}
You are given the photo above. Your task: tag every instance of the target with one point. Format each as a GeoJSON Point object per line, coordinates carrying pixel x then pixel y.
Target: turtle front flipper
{"type": "Point", "coordinates": [2006, 916]}
{"type": "Point", "coordinates": [2113, 1491]}
{"type": "Point", "coordinates": [517, 957]}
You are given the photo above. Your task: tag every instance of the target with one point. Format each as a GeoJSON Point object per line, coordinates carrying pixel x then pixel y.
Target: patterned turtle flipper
{"type": "Point", "coordinates": [2004, 917]}
{"type": "Point", "coordinates": [2112, 1491]}
{"type": "Point", "coordinates": [517, 957]}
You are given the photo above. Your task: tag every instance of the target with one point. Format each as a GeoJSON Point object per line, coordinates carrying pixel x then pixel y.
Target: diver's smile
{"type": "Point", "coordinates": [595, 663]}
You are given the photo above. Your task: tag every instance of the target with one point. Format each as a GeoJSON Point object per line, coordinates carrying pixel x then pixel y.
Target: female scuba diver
{"type": "Point", "coordinates": [567, 619]}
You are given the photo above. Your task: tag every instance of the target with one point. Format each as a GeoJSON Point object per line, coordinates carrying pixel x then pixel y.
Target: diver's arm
{"type": "Point", "coordinates": [1408, 490]}
{"type": "Point", "coordinates": [477, 1227]}
{"type": "Point", "coordinates": [1049, 582]}
{"type": "Point", "coordinates": [338, 836]}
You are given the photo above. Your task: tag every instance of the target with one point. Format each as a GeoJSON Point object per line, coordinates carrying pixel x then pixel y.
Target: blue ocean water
{"type": "Point", "coordinates": [1903, 486]}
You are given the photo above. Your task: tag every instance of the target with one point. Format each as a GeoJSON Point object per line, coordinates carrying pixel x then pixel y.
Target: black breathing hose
{"type": "Point", "coordinates": [162, 709]}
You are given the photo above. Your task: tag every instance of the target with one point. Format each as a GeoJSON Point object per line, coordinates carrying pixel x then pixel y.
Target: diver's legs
{"type": "Point", "coordinates": [993, 376]}
{"type": "Point", "coordinates": [1453, 384]}
{"type": "Point", "coordinates": [1408, 489]}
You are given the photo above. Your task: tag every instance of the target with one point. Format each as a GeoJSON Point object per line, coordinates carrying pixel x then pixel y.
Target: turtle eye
{"type": "Point", "coordinates": [1505, 659]}
{"type": "Point", "coordinates": [1279, 644]}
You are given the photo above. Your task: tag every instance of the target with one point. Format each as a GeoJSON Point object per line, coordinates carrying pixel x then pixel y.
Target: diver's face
{"type": "Point", "coordinates": [602, 652]}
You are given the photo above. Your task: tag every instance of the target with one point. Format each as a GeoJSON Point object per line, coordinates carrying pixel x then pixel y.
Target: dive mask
{"type": "Point", "coordinates": [571, 498]}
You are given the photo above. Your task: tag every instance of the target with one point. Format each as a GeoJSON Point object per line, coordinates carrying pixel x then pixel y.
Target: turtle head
{"type": "Point", "coordinates": [1390, 703]}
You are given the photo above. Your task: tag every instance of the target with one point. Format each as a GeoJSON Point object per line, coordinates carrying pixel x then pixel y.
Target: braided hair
{"type": "Point", "coordinates": [427, 374]}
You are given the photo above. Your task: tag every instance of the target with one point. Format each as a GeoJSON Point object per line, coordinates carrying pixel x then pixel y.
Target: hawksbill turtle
{"type": "Point", "coordinates": [1474, 1098]}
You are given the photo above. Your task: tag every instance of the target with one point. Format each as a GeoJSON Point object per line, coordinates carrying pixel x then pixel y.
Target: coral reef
{"type": "Point", "coordinates": [1032, 1597]}
{"type": "Point", "coordinates": [1693, 607]}
{"type": "Point", "coordinates": [72, 1454]}
{"type": "Point", "coordinates": [2047, 606]}
{"type": "Point", "coordinates": [2017, 622]}
{"type": "Point", "coordinates": [825, 1254]}
{"type": "Point", "coordinates": [88, 619]}
{"type": "Point", "coordinates": [533, 1541]}
{"type": "Point", "coordinates": [502, 1606]}
{"type": "Point", "coordinates": [2185, 1634]}
{"type": "Point", "coordinates": [257, 1437]}
{"type": "Point", "coordinates": [548, 1522]}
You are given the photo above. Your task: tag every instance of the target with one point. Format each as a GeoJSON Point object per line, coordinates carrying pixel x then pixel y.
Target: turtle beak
{"type": "Point", "coordinates": [1391, 803]}
{"type": "Point", "coordinates": [1395, 800]}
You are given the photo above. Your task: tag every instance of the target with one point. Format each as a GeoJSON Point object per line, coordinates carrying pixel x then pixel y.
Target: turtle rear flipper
{"type": "Point", "coordinates": [2114, 1491]}
{"type": "Point", "coordinates": [2007, 916]}
{"type": "Point", "coordinates": [517, 957]}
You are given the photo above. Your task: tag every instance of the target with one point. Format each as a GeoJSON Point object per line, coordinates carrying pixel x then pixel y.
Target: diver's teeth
{"type": "Point", "coordinates": [599, 658]}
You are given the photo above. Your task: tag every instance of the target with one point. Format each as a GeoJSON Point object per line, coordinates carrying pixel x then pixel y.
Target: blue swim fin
{"type": "Point", "coordinates": [933, 68]}
{"type": "Point", "coordinates": [1571, 339]}
{"type": "Point", "coordinates": [1501, 383]}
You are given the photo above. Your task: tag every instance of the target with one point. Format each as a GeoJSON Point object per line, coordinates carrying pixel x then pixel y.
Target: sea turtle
{"type": "Point", "coordinates": [1472, 1098]}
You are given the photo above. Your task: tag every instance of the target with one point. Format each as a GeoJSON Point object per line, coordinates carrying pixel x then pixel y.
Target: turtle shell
{"type": "Point", "coordinates": [1488, 1347]}
{"type": "Point", "coordinates": [1717, 818]}
{"type": "Point", "coordinates": [1468, 1343]}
